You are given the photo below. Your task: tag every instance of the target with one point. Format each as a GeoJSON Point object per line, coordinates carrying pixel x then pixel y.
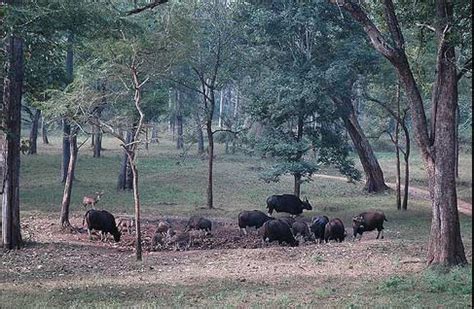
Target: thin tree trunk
{"type": "Point", "coordinates": [34, 133]}
{"type": "Point", "coordinates": [397, 150]}
{"type": "Point", "coordinates": [210, 147]}
{"type": "Point", "coordinates": [122, 178]}
{"type": "Point", "coordinates": [64, 219]}
{"type": "Point", "coordinates": [154, 133]}
{"type": "Point", "coordinates": [66, 125]}
{"type": "Point", "coordinates": [136, 197]}
{"type": "Point", "coordinates": [179, 122]}
{"type": "Point", "coordinates": [11, 109]}
{"type": "Point", "coordinates": [199, 134]}
{"type": "Point", "coordinates": [44, 131]}
{"type": "Point", "coordinates": [66, 149]}
{"type": "Point", "coordinates": [221, 108]}
{"type": "Point", "coordinates": [456, 138]}
{"type": "Point", "coordinates": [299, 136]}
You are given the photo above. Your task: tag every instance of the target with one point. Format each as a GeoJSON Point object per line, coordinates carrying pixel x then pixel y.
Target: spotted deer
{"type": "Point", "coordinates": [92, 200]}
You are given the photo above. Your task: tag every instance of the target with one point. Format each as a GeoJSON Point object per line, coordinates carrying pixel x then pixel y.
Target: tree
{"type": "Point", "coordinates": [210, 56]}
{"type": "Point", "coordinates": [287, 92]}
{"type": "Point", "coordinates": [11, 127]}
{"type": "Point", "coordinates": [437, 139]}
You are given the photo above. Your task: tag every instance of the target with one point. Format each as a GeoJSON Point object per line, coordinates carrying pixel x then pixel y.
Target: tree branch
{"type": "Point", "coordinates": [465, 68]}
{"type": "Point", "coordinates": [149, 6]}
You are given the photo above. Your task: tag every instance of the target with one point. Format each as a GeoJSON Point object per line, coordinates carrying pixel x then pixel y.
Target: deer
{"type": "Point", "coordinates": [92, 200]}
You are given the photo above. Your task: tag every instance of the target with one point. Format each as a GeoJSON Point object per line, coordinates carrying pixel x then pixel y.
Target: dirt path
{"type": "Point", "coordinates": [463, 207]}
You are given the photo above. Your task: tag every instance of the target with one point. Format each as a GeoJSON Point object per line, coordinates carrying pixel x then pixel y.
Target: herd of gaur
{"type": "Point", "coordinates": [291, 229]}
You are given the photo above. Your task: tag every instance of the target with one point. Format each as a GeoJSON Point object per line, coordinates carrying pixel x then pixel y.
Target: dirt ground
{"type": "Point", "coordinates": [52, 256]}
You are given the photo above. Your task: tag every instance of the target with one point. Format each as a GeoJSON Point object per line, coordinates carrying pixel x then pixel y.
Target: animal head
{"type": "Point", "coordinates": [306, 204]}
{"type": "Point", "coordinates": [357, 224]}
{"type": "Point", "coordinates": [117, 236]}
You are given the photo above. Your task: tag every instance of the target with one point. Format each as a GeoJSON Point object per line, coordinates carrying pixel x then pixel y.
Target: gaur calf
{"type": "Point", "coordinates": [279, 231]}
{"type": "Point", "coordinates": [368, 221]}
{"type": "Point", "coordinates": [288, 203]}
{"type": "Point", "coordinates": [334, 230]}
{"type": "Point", "coordinates": [318, 226]}
{"type": "Point", "coordinates": [198, 223]}
{"type": "Point", "coordinates": [103, 221]}
{"type": "Point", "coordinates": [300, 229]}
{"type": "Point", "coordinates": [252, 218]}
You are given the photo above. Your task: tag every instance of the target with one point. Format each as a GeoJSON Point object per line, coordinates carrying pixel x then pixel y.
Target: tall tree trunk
{"type": "Point", "coordinates": [179, 122]}
{"type": "Point", "coordinates": [210, 148]}
{"type": "Point", "coordinates": [11, 109]}
{"type": "Point", "coordinates": [154, 133]}
{"type": "Point", "coordinates": [375, 181]}
{"type": "Point", "coordinates": [299, 136]}
{"type": "Point", "coordinates": [97, 144]}
{"type": "Point", "coordinates": [123, 178]}
{"type": "Point", "coordinates": [136, 197]}
{"type": "Point", "coordinates": [456, 138]}
{"type": "Point", "coordinates": [64, 219]}
{"type": "Point", "coordinates": [66, 125]}
{"type": "Point", "coordinates": [445, 245]}
{"type": "Point", "coordinates": [199, 134]}
{"type": "Point", "coordinates": [397, 150]}
{"type": "Point", "coordinates": [66, 149]}
{"type": "Point", "coordinates": [437, 146]}
{"type": "Point", "coordinates": [44, 131]}
{"type": "Point", "coordinates": [34, 132]}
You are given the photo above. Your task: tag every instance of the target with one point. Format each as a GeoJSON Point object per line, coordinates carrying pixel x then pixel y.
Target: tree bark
{"type": "Point", "coordinates": [97, 144]}
{"type": "Point", "coordinates": [136, 197]}
{"type": "Point", "coordinates": [64, 219]}
{"type": "Point", "coordinates": [375, 181]}
{"type": "Point", "coordinates": [124, 181]}
{"type": "Point", "coordinates": [179, 122]}
{"type": "Point", "coordinates": [66, 125]}
{"type": "Point", "coordinates": [44, 131]}
{"type": "Point", "coordinates": [299, 136]}
{"type": "Point", "coordinates": [11, 109]}
{"type": "Point", "coordinates": [34, 132]}
{"type": "Point", "coordinates": [199, 134]}
{"type": "Point", "coordinates": [66, 149]}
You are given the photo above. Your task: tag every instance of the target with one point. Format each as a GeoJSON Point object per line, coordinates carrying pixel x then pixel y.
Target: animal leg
{"type": "Point", "coordinates": [378, 234]}
{"type": "Point", "coordinates": [90, 234]}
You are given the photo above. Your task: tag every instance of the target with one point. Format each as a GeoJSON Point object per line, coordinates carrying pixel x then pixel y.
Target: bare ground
{"type": "Point", "coordinates": [53, 259]}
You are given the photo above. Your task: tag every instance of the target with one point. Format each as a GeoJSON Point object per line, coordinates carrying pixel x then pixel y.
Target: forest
{"type": "Point", "coordinates": [217, 153]}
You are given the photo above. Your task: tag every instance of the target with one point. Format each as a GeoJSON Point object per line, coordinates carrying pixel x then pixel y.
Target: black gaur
{"type": "Point", "coordinates": [317, 227]}
{"type": "Point", "coordinates": [198, 223]}
{"type": "Point", "coordinates": [287, 203]}
{"type": "Point", "coordinates": [368, 221]}
{"type": "Point", "coordinates": [334, 229]}
{"type": "Point", "coordinates": [279, 231]}
{"type": "Point", "coordinates": [103, 221]}
{"type": "Point", "coordinates": [289, 220]}
{"type": "Point", "coordinates": [300, 229]}
{"type": "Point", "coordinates": [252, 218]}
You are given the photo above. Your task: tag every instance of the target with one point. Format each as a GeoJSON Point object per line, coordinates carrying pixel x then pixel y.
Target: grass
{"type": "Point", "coordinates": [171, 185]}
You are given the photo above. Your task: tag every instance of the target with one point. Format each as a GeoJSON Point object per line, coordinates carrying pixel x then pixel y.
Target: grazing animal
{"type": "Point", "coordinates": [252, 218]}
{"type": "Point", "coordinates": [126, 224]}
{"type": "Point", "coordinates": [300, 229]}
{"type": "Point", "coordinates": [280, 231]}
{"type": "Point", "coordinates": [162, 227]}
{"type": "Point", "coordinates": [288, 220]}
{"type": "Point", "coordinates": [91, 200]}
{"type": "Point", "coordinates": [318, 226]}
{"type": "Point", "coordinates": [180, 240]}
{"type": "Point", "coordinates": [103, 221]}
{"type": "Point", "coordinates": [368, 221]}
{"type": "Point", "coordinates": [334, 230]}
{"type": "Point", "coordinates": [198, 223]}
{"type": "Point", "coordinates": [287, 203]}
